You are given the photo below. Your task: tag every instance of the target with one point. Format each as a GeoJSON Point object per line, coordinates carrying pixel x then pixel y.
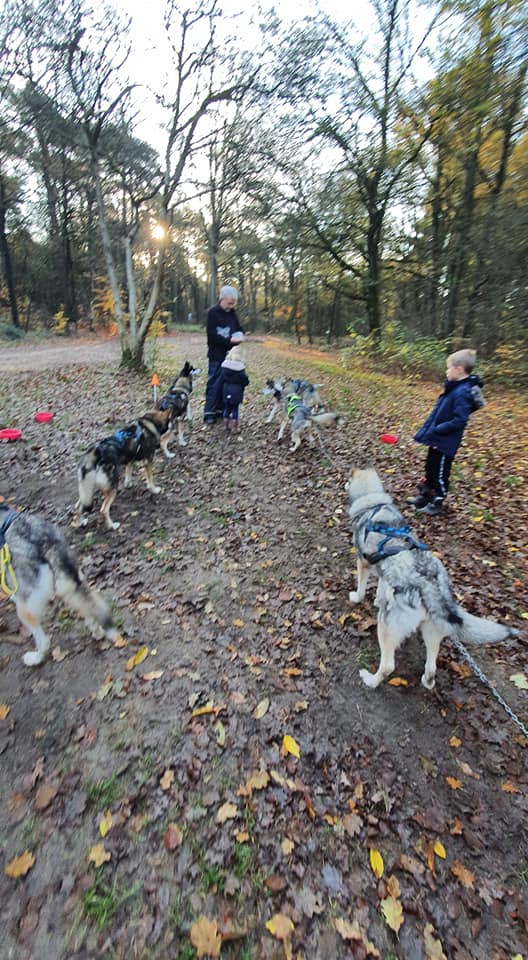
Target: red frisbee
{"type": "Point", "coordinates": [10, 433]}
{"type": "Point", "coordinates": [44, 417]}
{"type": "Point", "coordinates": [388, 438]}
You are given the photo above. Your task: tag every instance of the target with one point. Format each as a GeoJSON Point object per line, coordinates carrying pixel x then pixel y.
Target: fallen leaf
{"type": "Point", "coordinates": [119, 641]}
{"type": "Point", "coordinates": [140, 655]}
{"type": "Point", "coordinates": [220, 732]}
{"type": "Point", "coordinates": [280, 926]}
{"type": "Point", "coordinates": [398, 682]}
{"type": "Point", "coordinates": [228, 811]}
{"type": "Point", "coordinates": [205, 937]}
{"type": "Point", "coordinates": [153, 675]}
{"type": "Point", "coordinates": [520, 680]}
{"type": "Point", "coordinates": [105, 823]}
{"type": "Point", "coordinates": [509, 787]}
{"type": "Point", "coordinates": [433, 947]}
{"type": "Point", "coordinates": [467, 879]}
{"type": "Point", "coordinates": [45, 795]}
{"type": "Point", "coordinates": [4, 710]}
{"type": "Point", "coordinates": [238, 622]}
{"type": "Point", "coordinates": [201, 711]}
{"type": "Point", "coordinates": [287, 846]}
{"type": "Point", "coordinates": [57, 655]}
{"type": "Point", "coordinates": [393, 887]}
{"type": "Point", "coordinates": [19, 866]}
{"type": "Point", "coordinates": [98, 855]}
{"type": "Point", "coordinates": [393, 912]}
{"type": "Point", "coordinates": [261, 709]}
{"type": "Point", "coordinates": [454, 783]}
{"type": "Point", "coordinates": [455, 742]}
{"type": "Point", "coordinates": [289, 745]}
{"type": "Point", "coordinates": [173, 837]}
{"type": "Point", "coordinates": [167, 779]}
{"type": "Point", "coordinates": [376, 862]}
{"type": "Point", "coordinates": [439, 850]}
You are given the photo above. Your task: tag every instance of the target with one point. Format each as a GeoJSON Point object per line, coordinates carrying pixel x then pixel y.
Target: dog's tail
{"type": "Point", "coordinates": [326, 419]}
{"type": "Point", "coordinates": [472, 629]}
{"type": "Point", "coordinates": [71, 587]}
{"type": "Point", "coordinates": [93, 476]}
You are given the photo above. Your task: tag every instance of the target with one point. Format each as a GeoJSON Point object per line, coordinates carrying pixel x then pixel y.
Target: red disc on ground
{"type": "Point", "coordinates": [388, 438]}
{"type": "Point", "coordinates": [10, 433]}
{"type": "Point", "coordinates": [44, 417]}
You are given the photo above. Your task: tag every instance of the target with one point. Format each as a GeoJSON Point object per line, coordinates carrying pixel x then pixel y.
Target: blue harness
{"type": "Point", "coordinates": [128, 433]}
{"type": "Point", "coordinates": [390, 533]}
{"type": "Point", "coordinates": [10, 515]}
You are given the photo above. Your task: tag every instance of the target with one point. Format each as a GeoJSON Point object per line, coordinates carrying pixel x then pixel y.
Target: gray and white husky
{"type": "Point", "coordinates": [413, 592]}
{"type": "Point", "coordinates": [280, 389]}
{"type": "Point", "coordinates": [40, 565]}
{"type": "Point", "coordinates": [302, 421]}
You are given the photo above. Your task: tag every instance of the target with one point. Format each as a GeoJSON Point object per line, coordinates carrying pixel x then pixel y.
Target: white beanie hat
{"type": "Point", "coordinates": [228, 292]}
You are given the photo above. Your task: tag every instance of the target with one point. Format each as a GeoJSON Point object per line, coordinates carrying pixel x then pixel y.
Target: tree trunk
{"type": "Point", "coordinates": [6, 258]}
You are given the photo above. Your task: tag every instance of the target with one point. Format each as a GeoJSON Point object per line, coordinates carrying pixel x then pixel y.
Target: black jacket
{"type": "Point", "coordinates": [221, 325]}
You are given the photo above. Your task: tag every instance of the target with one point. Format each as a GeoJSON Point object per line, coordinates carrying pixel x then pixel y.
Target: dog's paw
{"type": "Point", "coordinates": [82, 522]}
{"type": "Point", "coordinates": [113, 525]}
{"type": "Point", "coordinates": [33, 658]}
{"type": "Point", "coordinates": [169, 455]}
{"type": "Point", "coordinates": [181, 443]}
{"type": "Point", "coordinates": [354, 597]}
{"type": "Point", "coordinates": [369, 679]}
{"type": "Point", "coordinates": [428, 680]}
{"type": "Point", "coordinates": [155, 489]}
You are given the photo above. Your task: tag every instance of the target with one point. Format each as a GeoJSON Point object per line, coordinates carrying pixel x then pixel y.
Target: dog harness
{"type": "Point", "coordinates": [390, 533]}
{"type": "Point", "coordinates": [293, 403]}
{"type": "Point", "coordinates": [130, 433]}
{"type": "Point", "coordinates": [179, 393]}
{"type": "Point", "coordinates": [6, 568]}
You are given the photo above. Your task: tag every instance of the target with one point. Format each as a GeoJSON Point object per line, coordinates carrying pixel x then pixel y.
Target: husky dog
{"type": "Point", "coordinates": [302, 421]}
{"type": "Point", "coordinates": [39, 565]}
{"type": "Point", "coordinates": [178, 401]}
{"type": "Point", "coordinates": [308, 392]}
{"type": "Point", "coordinates": [100, 466]}
{"type": "Point", "coordinates": [413, 586]}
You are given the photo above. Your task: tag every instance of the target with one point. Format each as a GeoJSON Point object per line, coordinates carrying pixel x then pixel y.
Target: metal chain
{"type": "Point", "coordinates": [482, 676]}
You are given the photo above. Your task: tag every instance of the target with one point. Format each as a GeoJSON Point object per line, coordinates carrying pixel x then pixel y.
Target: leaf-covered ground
{"type": "Point", "coordinates": [153, 804]}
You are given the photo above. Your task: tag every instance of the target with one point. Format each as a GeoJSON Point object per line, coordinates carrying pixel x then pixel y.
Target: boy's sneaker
{"type": "Point", "coordinates": [431, 510]}
{"type": "Point", "coordinates": [419, 501]}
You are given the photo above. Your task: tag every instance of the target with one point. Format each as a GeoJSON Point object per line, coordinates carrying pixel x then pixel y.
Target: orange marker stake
{"type": "Point", "coordinates": [155, 384]}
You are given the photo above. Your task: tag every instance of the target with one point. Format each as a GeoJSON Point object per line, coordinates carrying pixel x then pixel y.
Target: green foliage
{"type": "Point", "coordinates": [102, 900]}
{"type": "Point", "coordinates": [8, 331]}
{"type": "Point", "coordinates": [103, 793]}
{"type": "Point", "coordinates": [398, 347]}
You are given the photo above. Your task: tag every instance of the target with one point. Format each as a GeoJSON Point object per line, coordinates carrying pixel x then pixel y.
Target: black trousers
{"type": "Point", "coordinates": [437, 471]}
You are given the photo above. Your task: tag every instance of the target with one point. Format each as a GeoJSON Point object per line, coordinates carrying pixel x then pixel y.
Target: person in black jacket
{"type": "Point", "coordinates": [222, 323]}
{"type": "Point", "coordinates": [443, 430]}
{"type": "Point", "coordinates": [234, 382]}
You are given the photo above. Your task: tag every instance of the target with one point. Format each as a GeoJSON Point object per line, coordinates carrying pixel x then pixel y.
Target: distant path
{"type": "Point", "coordinates": [88, 352]}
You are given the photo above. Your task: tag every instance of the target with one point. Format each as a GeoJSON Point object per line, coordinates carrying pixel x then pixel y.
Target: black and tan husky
{"type": "Point", "coordinates": [38, 566]}
{"type": "Point", "coordinates": [414, 592]}
{"type": "Point", "coordinates": [178, 401]}
{"type": "Point", "coordinates": [99, 468]}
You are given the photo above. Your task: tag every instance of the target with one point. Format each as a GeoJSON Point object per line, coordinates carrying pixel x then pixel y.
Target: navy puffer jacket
{"type": "Point", "coordinates": [445, 425]}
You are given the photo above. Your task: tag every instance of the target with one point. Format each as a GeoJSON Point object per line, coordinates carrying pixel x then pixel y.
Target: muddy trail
{"type": "Point", "coordinates": [220, 783]}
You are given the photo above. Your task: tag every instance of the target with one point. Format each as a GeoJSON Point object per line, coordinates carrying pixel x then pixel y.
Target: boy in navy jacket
{"type": "Point", "coordinates": [443, 430]}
